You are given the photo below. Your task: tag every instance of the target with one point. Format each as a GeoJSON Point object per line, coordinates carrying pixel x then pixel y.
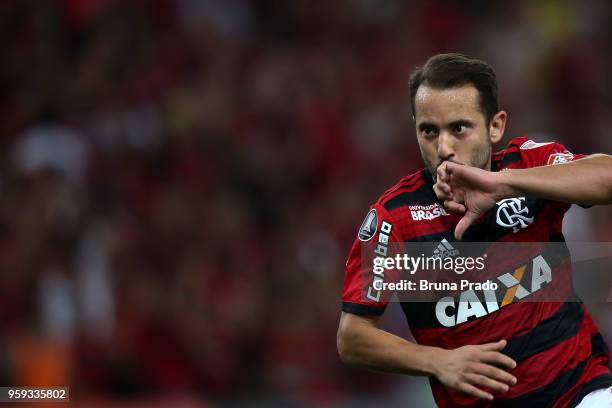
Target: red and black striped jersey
{"type": "Point", "coordinates": [560, 354]}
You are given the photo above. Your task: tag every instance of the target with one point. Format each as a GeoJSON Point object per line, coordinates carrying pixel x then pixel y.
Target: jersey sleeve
{"type": "Point", "coordinates": [546, 154]}
{"type": "Point", "coordinates": [377, 238]}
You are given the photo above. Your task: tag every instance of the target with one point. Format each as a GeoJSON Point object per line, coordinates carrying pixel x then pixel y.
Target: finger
{"type": "Point", "coordinates": [498, 359]}
{"type": "Point", "coordinates": [457, 176]}
{"type": "Point", "coordinates": [442, 173]}
{"type": "Point", "coordinates": [481, 380]}
{"type": "Point", "coordinates": [464, 223]}
{"type": "Point", "coordinates": [441, 194]}
{"type": "Point", "coordinates": [493, 346]}
{"type": "Point", "coordinates": [453, 169]}
{"type": "Point", "coordinates": [454, 207]}
{"type": "Point", "coordinates": [473, 391]}
{"type": "Point", "coordinates": [459, 195]}
{"type": "Point", "coordinates": [494, 373]}
{"type": "Point", "coordinates": [445, 187]}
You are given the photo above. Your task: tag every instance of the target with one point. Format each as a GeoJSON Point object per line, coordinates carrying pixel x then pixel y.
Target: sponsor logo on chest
{"type": "Point", "coordinates": [515, 285]}
{"type": "Point", "coordinates": [426, 212]}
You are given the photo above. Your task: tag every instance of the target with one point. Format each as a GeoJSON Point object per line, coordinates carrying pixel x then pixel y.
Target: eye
{"type": "Point", "coordinates": [429, 132]}
{"type": "Point", "coordinates": [460, 129]}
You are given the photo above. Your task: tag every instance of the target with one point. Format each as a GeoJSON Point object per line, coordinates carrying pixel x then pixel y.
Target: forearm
{"type": "Point", "coordinates": [584, 181]}
{"type": "Point", "coordinates": [370, 347]}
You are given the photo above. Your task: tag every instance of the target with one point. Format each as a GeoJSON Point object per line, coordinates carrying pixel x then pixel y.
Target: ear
{"type": "Point", "coordinates": [497, 126]}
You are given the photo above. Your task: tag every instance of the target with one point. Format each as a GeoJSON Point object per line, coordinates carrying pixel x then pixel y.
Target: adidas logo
{"type": "Point", "coordinates": [445, 250]}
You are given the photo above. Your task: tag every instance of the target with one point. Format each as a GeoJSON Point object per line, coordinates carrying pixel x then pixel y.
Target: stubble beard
{"type": "Point", "coordinates": [481, 159]}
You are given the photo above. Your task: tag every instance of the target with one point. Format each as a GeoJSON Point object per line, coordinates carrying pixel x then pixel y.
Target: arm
{"type": "Point", "coordinates": [472, 191]}
{"type": "Point", "coordinates": [464, 369]}
{"type": "Point", "coordinates": [361, 343]}
{"type": "Point", "coordinates": [584, 181]}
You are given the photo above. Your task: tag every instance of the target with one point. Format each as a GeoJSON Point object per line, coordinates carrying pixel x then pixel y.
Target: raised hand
{"type": "Point", "coordinates": [467, 190]}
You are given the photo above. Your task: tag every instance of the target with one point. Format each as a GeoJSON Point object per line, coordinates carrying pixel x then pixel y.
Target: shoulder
{"type": "Point", "coordinates": [411, 205]}
{"type": "Point", "coordinates": [523, 152]}
{"type": "Point", "coordinates": [415, 188]}
{"type": "Point", "coordinates": [394, 213]}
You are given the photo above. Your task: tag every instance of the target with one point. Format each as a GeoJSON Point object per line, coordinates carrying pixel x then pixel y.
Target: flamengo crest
{"type": "Point", "coordinates": [513, 213]}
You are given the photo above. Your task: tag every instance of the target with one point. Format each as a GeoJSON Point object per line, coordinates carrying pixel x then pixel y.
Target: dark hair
{"type": "Point", "coordinates": [453, 70]}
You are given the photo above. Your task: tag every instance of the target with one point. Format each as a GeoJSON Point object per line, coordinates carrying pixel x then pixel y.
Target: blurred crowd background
{"type": "Point", "coordinates": [181, 180]}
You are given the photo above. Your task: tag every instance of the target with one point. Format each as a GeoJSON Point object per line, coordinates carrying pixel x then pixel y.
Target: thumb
{"type": "Point", "coordinates": [465, 222]}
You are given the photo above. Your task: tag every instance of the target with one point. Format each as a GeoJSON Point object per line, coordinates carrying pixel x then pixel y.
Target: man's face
{"type": "Point", "coordinates": [451, 126]}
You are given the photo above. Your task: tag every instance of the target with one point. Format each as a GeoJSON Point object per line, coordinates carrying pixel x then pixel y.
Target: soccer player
{"type": "Point", "coordinates": [524, 354]}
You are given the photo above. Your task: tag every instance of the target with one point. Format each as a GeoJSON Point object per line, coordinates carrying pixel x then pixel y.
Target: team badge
{"type": "Point", "coordinates": [559, 158]}
{"type": "Point", "coordinates": [368, 227]}
{"type": "Point", "coordinates": [513, 213]}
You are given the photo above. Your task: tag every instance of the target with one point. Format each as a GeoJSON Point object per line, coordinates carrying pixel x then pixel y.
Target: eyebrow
{"type": "Point", "coordinates": [424, 125]}
{"type": "Point", "coordinates": [458, 122]}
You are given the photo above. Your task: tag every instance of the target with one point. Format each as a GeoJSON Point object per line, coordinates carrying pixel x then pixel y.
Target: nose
{"type": "Point", "coordinates": [446, 146]}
